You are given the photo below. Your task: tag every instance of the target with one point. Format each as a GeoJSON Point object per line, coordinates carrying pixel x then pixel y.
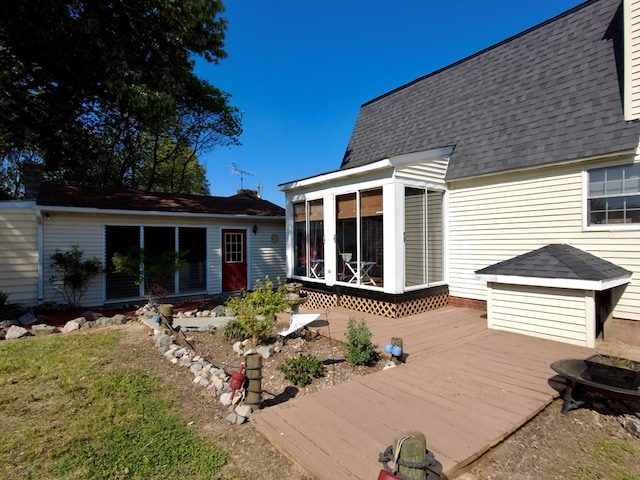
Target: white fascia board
{"type": "Point", "coordinates": [149, 213]}
{"type": "Point", "coordinates": [390, 162]}
{"type": "Point", "coordinates": [337, 175]}
{"type": "Point", "coordinates": [597, 285]}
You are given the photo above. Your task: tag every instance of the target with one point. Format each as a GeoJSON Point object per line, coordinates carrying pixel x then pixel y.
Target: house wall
{"type": "Point", "coordinates": [631, 59]}
{"type": "Point", "coordinates": [565, 315]}
{"type": "Point", "coordinates": [19, 252]}
{"type": "Point", "coordinates": [492, 219]}
{"type": "Point", "coordinates": [62, 230]}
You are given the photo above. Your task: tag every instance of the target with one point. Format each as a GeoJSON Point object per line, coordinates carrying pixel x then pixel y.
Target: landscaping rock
{"type": "Point", "coordinates": [28, 318]}
{"type": "Point", "coordinates": [15, 331]}
{"type": "Point", "coordinates": [70, 326]}
{"type": "Point", "coordinates": [265, 351]}
{"type": "Point", "coordinates": [43, 329]}
{"type": "Point", "coordinates": [243, 410]}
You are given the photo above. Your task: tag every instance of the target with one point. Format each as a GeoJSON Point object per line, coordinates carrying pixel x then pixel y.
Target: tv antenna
{"type": "Point", "coordinates": [236, 171]}
{"type": "Point", "coordinates": [259, 187]}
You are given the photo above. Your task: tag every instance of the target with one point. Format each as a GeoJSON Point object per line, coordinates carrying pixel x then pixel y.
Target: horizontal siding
{"type": "Point", "coordinates": [556, 314]}
{"type": "Point", "coordinates": [491, 220]}
{"type": "Point", "coordinates": [428, 171]}
{"type": "Point", "coordinates": [19, 255]}
{"type": "Point", "coordinates": [64, 230]}
{"type": "Point", "coordinates": [266, 257]}
{"type": "Point", "coordinates": [632, 58]}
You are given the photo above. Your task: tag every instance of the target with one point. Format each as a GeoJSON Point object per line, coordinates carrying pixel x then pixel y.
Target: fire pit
{"type": "Point", "coordinates": [599, 373]}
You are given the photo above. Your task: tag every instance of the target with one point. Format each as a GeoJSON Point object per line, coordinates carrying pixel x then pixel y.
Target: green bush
{"type": "Point", "coordinates": [76, 273]}
{"type": "Point", "coordinates": [233, 330]}
{"type": "Point", "coordinates": [8, 311]}
{"type": "Point", "coordinates": [359, 347]}
{"type": "Point", "coordinates": [302, 370]}
{"type": "Point", "coordinates": [255, 310]}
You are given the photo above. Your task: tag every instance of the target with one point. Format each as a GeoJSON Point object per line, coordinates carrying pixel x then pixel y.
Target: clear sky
{"type": "Point", "coordinates": [300, 70]}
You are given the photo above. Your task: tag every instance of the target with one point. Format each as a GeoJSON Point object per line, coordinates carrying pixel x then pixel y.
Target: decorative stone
{"type": "Point", "coordinates": [70, 326]}
{"type": "Point", "coordinates": [43, 329]}
{"type": "Point", "coordinates": [265, 351]}
{"type": "Point", "coordinates": [225, 399]}
{"type": "Point", "coordinates": [28, 318]}
{"type": "Point", "coordinates": [243, 410]}
{"type": "Point", "coordinates": [237, 347]}
{"type": "Point", "coordinates": [15, 331]}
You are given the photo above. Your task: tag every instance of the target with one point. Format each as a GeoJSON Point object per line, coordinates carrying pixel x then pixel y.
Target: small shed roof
{"type": "Point", "coordinates": [557, 265]}
{"type": "Point", "coordinates": [55, 195]}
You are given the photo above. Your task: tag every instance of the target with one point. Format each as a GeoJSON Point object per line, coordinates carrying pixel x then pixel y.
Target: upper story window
{"type": "Point", "coordinates": [614, 195]}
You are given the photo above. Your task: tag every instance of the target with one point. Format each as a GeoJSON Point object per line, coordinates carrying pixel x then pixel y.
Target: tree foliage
{"type": "Point", "coordinates": [105, 93]}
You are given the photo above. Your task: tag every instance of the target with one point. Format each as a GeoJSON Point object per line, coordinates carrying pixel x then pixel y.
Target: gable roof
{"type": "Point", "coordinates": [550, 94]}
{"type": "Point", "coordinates": [560, 262]}
{"type": "Point", "coordinates": [122, 199]}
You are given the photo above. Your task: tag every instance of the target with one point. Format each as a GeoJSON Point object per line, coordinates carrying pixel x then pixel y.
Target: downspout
{"type": "Point", "coordinates": [40, 247]}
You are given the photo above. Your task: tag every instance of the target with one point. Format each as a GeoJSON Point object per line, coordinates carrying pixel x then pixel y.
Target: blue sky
{"type": "Point", "coordinates": [299, 72]}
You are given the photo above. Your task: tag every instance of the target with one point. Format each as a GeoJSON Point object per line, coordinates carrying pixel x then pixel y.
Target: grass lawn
{"type": "Point", "coordinates": [75, 407]}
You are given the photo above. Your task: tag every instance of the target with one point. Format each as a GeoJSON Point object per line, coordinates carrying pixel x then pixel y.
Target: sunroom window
{"type": "Point", "coordinates": [614, 195]}
{"type": "Point", "coordinates": [359, 238]}
{"type": "Point", "coordinates": [309, 239]}
{"type": "Point", "coordinates": [423, 237]}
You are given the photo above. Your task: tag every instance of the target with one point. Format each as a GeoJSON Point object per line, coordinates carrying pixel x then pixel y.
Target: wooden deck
{"type": "Point", "coordinates": [464, 386]}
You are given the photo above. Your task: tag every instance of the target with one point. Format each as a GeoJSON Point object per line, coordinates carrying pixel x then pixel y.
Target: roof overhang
{"type": "Point", "coordinates": [380, 165]}
{"type": "Point", "coordinates": [100, 211]}
{"type": "Point", "coordinates": [573, 284]}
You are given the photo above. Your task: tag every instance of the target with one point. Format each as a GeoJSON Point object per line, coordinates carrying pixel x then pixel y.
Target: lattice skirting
{"type": "Point", "coordinates": [321, 301]}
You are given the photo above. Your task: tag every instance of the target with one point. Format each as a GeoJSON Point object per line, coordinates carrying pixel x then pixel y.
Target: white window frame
{"type": "Point", "coordinates": [586, 216]}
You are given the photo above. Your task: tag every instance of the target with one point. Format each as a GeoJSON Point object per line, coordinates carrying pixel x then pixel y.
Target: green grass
{"type": "Point", "coordinates": [609, 459]}
{"type": "Point", "coordinates": [70, 413]}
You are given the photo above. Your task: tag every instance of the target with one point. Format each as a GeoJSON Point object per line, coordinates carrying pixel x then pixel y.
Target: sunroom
{"type": "Point", "coordinates": [372, 237]}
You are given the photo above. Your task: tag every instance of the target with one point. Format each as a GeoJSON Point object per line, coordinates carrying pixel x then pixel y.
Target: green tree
{"type": "Point", "coordinates": [95, 89]}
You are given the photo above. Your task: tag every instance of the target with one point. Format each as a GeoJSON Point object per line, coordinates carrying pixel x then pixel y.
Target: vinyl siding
{"type": "Point", "coordinates": [631, 59]}
{"type": "Point", "coordinates": [556, 314]}
{"type": "Point", "coordinates": [19, 252]}
{"type": "Point", "coordinates": [496, 218]}
{"type": "Point", "coordinates": [87, 231]}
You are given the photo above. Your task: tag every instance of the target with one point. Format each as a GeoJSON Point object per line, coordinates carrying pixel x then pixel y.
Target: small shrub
{"type": "Point", "coordinates": [233, 330]}
{"type": "Point", "coordinates": [302, 370]}
{"type": "Point", "coordinates": [255, 310]}
{"type": "Point", "coordinates": [359, 348]}
{"type": "Point", "coordinates": [8, 311]}
{"type": "Point", "coordinates": [76, 273]}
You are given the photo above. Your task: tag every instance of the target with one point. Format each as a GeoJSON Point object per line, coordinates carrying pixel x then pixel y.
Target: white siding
{"type": "Point", "coordinates": [63, 230]}
{"type": "Point", "coordinates": [494, 219]}
{"type": "Point", "coordinates": [430, 171]}
{"type": "Point", "coordinates": [631, 59]}
{"type": "Point", "coordinates": [552, 313]}
{"type": "Point", "coordinates": [19, 252]}
{"type": "Point", "coordinates": [267, 258]}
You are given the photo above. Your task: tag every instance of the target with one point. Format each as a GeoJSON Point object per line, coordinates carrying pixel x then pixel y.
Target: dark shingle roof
{"type": "Point", "coordinates": [121, 199]}
{"type": "Point", "coordinates": [557, 261]}
{"type": "Point", "coordinates": [550, 94]}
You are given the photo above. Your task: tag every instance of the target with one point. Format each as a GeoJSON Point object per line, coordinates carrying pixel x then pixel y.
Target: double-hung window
{"type": "Point", "coordinates": [614, 195]}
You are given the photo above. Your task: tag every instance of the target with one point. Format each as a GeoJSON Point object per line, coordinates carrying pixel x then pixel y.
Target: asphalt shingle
{"type": "Point", "coordinates": [548, 95]}
{"type": "Point", "coordinates": [557, 261]}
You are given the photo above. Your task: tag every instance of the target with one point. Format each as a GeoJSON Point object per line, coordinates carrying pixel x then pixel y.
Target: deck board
{"type": "Point", "coordinates": [464, 386]}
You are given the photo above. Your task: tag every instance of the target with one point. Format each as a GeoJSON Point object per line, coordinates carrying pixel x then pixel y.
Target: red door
{"type": "Point", "coordinates": [234, 260]}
